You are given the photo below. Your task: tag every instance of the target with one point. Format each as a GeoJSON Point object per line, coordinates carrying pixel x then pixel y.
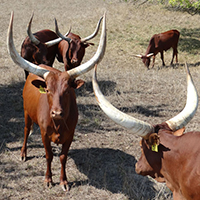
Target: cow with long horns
{"type": "Point", "coordinates": [50, 101]}
{"type": "Point", "coordinates": [159, 43]}
{"type": "Point", "coordinates": [168, 155]}
{"type": "Point", "coordinates": [43, 46]}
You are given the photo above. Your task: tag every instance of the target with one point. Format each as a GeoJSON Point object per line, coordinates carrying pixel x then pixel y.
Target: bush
{"type": "Point", "coordinates": [191, 6]}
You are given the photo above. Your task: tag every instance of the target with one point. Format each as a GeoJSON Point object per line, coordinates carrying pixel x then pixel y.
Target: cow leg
{"type": "Point", "coordinates": [175, 53]}
{"type": "Point", "coordinates": [162, 58]}
{"type": "Point", "coordinates": [63, 159]}
{"type": "Point", "coordinates": [27, 128]}
{"type": "Point", "coordinates": [49, 158]}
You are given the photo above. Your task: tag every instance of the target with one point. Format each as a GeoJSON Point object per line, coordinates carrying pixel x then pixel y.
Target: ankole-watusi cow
{"type": "Point", "coordinates": [72, 53]}
{"type": "Point", "coordinates": [159, 43]}
{"type": "Point", "coordinates": [43, 46]}
{"type": "Point", "coordinates": [49, 101]}
{"type": "Point", "coordinates": [168, 155]}
{"type": "Point", "coordinates": [40, 47]}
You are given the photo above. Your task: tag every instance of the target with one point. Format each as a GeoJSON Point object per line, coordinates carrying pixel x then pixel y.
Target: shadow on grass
{"type": "Point", "coordinates": [112, 170]}
{"type": "Point", "coordinates": [107, 88]}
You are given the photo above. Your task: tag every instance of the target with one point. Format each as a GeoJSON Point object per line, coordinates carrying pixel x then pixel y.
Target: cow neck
{"type": "Point", "coordinates": [67, 55]}
{"type": "Point", "coordinates": [57, 127]}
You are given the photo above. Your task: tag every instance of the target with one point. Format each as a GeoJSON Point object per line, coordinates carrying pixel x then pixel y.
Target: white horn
{"type": "Point", "coordinates": [190, 108]}
{"type": "Point", "coordinates": [33, 39]}
{"type": "Point", "coordinates": [93, 34]}
{"type": "Point", "coordinates": [149, 55]}
{"type": "Point", "coordinates": [136, 126]}
{"type": "Point", "coordinates": [26, 65]}
{"type": "Point", "coordinates": [75, 72]}
{"type": "Point", "coordinates": [138, 56]}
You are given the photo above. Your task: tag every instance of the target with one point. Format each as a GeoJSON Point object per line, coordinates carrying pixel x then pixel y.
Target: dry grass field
{"type": "Point", "coordinates": [102, 156]}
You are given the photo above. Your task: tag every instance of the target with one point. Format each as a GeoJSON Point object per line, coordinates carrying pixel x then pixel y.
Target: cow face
{"type": "Point", "coordinates": [146, 60]}
{"type": "Point", "coordinates": [76, 50]}
{"type": "Point", "coordinates": [59, 88]}
{"type": "Point", "coordinates": [150, 160]}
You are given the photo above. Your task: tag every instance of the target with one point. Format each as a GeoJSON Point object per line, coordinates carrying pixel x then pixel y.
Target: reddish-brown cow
{"type": "Point", "coordinates": [159, 43]}
{"type": "Point", "coordinates": [71, 54]}
{"type": "Point", "coordinates": [168, 155]}
{"type": "Point", "coordinates": [53, 106]}
{"type": "Point", "coordinates": [40, 47]}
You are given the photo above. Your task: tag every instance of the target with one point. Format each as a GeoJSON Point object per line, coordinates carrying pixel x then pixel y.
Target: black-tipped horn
{"type": "Point", "coordinates": [30, 34]}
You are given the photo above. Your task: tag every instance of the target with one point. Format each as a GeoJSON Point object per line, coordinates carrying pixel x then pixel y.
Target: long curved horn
{"type": "Point", "coordinates": [59, 33]}
{"type": "Point", "coordinates": [83, 68]}
{"type": "Point", "coordinates": [180, 120]}
{"type": "Point", "coordinates": [61, 37]}
{"type": "Point", "coordinates": [94, 33]}
{"type": "Point", "coordinates": [33, 39]}
{"type": "Point", "coordinates": [26, 65]}
{"type": "Point", "coordinates": [136, 126]}
{"type": "Point", "coordinates": [138, 56]}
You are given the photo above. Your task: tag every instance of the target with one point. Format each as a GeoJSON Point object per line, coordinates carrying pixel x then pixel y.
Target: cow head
{"type": "Point", "coordinates": [58, 87]}
{"type": "Point", "coordinates": [71, 53]}
{"type": "Point", "coordinates": [151, 143]}
{"type": "Point", "coordinates": [146, 59]}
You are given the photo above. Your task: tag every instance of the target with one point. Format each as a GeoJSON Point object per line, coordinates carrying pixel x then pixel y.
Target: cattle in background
{"type": "Point", "coordinates": [159, 43]}
{"type": "Point", "coordinates": [50, 101]}
{"type": "Point", "coordinates": [43, 46]}
{"type": "Point", "coordinates": [40, 47]}
{"type": "Point", "coordinates": [168, 155]}
{"type": "Point", "coordinates": [71, 54]}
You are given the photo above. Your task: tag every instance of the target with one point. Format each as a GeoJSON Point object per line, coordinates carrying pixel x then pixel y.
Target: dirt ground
{"type": "Point", "coordinates": [102, 157]}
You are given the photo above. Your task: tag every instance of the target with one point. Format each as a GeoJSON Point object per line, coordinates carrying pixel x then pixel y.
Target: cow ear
{"type": "Point", "coordinates": [153, 142]}
{"type": "Point", "coordinates": [77, 83]}
{"type": "Point", "coordinates": [179, 132]}
{"type": "Point", "coordinates": [39, 83]}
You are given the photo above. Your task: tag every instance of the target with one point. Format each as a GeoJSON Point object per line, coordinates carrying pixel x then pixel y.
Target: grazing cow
{"type": "Point", "coordinates": [49, 101]}
{"type": "Point", "coordinates": [168, 155]}
{"type": "Point", "coordinates": [71, 54]}
{"type": "Point", "coordinates": [159, 43]}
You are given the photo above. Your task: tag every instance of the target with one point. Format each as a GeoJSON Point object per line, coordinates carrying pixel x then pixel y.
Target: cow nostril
{"type": "Point", "coordinates": [56, 114]}
{"type": "Point", "coordinates": [73, 61]}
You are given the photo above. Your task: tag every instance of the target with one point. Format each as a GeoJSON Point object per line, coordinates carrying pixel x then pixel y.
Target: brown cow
{"type": "Point", "coordinates": [71, 54]}
{"type": "Point", "coordinates": [69, 51]}
{"type": "Point", "coordinates": [53, 106]}
{"type": "Point", "coordinates": [159, 43]}
{"type": "Point", "coordinates": [166, 157]}
{"type": "Point", "coordinates": [40, 47]}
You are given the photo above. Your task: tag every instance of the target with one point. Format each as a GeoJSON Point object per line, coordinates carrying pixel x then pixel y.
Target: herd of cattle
{"type": "Point", "coordinates": [168, 154]}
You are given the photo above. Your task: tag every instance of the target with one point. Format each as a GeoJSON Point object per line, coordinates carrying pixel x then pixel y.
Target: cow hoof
{"type": "Point", "coordinates": [64, 185]}
{"type": "Point", "coordinates": [49, 184]}
{"type": "Point", "coordinates": [23, 158]}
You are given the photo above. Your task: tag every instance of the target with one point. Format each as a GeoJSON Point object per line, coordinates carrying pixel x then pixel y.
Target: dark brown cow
{"type": "Point", "coordinates": [168, 155]}
{"type": "Point", "coordinates": [159, 43]}
{"type": "Point", "coordinates": [71, 54]}
{"type": "Point", "coordinates": [53, 106]}
{"type": "Point", "coordinates": [40, 47]}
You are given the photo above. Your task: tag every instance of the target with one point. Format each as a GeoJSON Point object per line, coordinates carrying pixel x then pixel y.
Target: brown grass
{"type": "Point", "coordinates": [102, 156]}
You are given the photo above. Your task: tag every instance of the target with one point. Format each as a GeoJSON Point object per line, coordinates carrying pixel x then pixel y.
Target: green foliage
{"type": "Point", "coordinates": [191, 6]}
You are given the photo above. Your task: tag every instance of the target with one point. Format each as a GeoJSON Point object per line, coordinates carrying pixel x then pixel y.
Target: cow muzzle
{"type": "Point", "coordinates": [74, 61]}
{"type": "Point", "coordinates": [57, 114]}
